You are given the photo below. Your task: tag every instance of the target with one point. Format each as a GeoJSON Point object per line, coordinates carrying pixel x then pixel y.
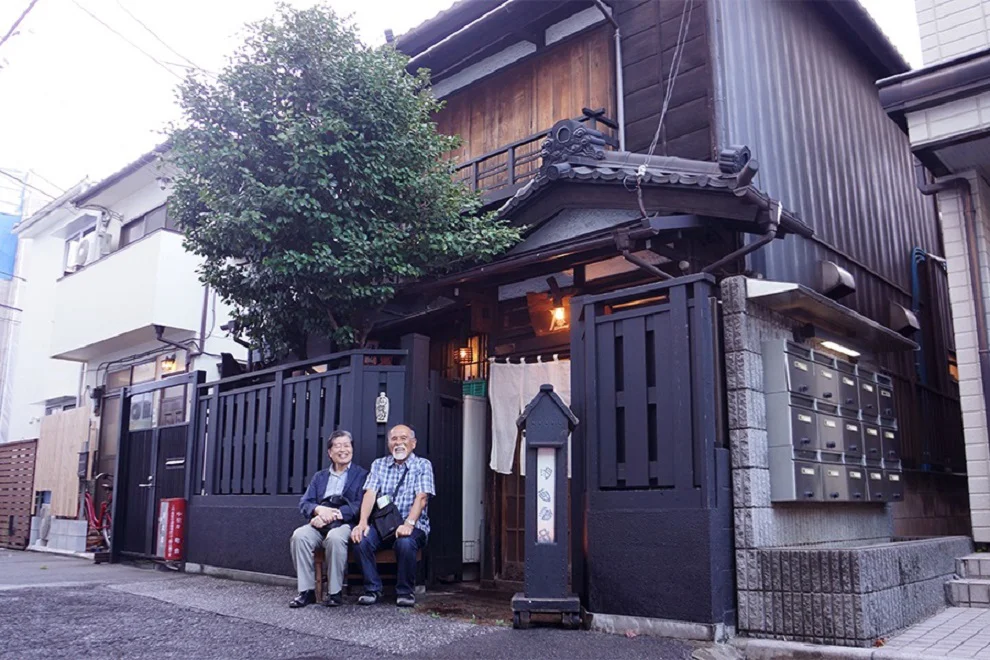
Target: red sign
{"type": "Point", "coordinates": [171, 528]}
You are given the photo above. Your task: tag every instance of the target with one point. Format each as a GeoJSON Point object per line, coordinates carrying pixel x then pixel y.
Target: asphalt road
{"type": "Point", "coordinates": [58, 607]}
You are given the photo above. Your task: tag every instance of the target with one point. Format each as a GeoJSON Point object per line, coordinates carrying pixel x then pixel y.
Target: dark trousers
{"type": "Point", "coordinates": [405, 548]}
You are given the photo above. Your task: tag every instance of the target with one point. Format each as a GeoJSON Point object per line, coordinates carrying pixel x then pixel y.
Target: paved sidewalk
{"type": "Point", "coordinates": [957, 632]}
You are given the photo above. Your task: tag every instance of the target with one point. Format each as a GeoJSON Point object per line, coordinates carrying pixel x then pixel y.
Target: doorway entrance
{"type": "Point", "coordinates": [152, 454]}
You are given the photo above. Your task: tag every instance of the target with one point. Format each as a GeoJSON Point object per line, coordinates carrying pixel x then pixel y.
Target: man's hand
{"type": "Point", "coordinates": [327, 514]}
{"type": "Point", "coordinates": [318, 522]}
{"type": "Point", "coordinates": [404, 530]}
{"type": "Point", "coordinates": [359, 532]}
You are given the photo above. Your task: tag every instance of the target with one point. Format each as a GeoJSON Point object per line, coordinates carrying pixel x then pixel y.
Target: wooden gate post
{"type": "Point", "coordinates": [547, 422]}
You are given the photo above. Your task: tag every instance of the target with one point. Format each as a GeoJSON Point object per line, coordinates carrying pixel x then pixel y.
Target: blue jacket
{"type": "Point", "coordinates": [353, 492]}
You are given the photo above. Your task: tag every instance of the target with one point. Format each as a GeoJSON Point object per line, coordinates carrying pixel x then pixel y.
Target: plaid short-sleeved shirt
{"type": "Point", "coordinates": [385, 475]}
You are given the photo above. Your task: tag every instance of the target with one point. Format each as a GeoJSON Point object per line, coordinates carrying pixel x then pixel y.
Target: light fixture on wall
{"type": "Point", "coordinates": [828, 341]}
{"type": "Point", "coordinates": [558, 314]}
{"type": "Point", "coordinates": [464, 354]}
{"type": "Point", "coordinates": [169, 364]}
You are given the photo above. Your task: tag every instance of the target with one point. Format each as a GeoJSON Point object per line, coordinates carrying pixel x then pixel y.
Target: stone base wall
{"type": "Point", "coordinates": [845, 596]}
{"type": "Point", "coordinates": [813, 571]}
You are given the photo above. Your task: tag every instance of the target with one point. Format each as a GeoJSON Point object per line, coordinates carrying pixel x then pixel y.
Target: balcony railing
{"type": "Point", "coordinates": [499, 174]}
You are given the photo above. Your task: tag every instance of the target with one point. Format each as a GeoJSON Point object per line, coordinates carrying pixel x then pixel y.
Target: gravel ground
{"type": "Point", "coordinates": [55, 607]}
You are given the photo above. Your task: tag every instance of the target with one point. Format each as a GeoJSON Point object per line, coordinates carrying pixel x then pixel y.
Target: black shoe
{"type": "Point", "coordinates": [334, 600]}
{"type": "Point", "coordinates": [405, 600]}
{"type": "Point", "coordinates": [303, 599]}
{"type": "Point", "coordinates": [369, 598]}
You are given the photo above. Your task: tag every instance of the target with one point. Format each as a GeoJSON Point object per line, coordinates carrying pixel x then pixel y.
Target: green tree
{"type": "Point", "coordinates": [314, 183]}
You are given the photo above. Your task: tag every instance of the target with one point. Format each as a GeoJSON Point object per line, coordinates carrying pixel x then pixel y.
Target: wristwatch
{"type": "Point", "coordinates": [410, 522]}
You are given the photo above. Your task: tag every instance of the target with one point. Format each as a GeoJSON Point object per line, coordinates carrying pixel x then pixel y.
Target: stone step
{"type": "Point", "coordinates": [976, 565]}
{"type": "Point", "coordinates": [968, 592]}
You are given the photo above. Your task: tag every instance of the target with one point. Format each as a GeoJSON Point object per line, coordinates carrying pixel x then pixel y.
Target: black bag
{"type": "Point", "coordinates": [387, 519]}
{"type": "Point", "coordinates": [334, 502]}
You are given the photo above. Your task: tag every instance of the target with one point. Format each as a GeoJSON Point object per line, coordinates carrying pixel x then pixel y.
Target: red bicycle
{"type": "Point", "coordinates": [102, 521]}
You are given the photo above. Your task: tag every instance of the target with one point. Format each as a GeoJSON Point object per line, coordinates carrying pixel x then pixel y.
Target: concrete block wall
{"type": "Point", "coordinates": [950, 28]}
{"type": "Point", "coordinates": [64, 534]}
{"type": "Point", "coordinates": [816, 572]}
{"type": "Point", "coordinates": [757, 523]}
{"type": "Point", "coordinates": [964, 321]}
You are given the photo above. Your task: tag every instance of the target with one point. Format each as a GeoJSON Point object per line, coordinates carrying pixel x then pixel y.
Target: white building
{"type": "Point", "coordinates": [111, 298]}
{"type": "Point", "coordinates": [945, 107]}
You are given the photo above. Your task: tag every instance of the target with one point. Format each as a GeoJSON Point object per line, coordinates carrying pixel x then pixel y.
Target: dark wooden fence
{"type": "Point", "coordinates": [265, 433]}
{"type": "Point", "coordinates": [647, 387]}
{"type": "Point", "coordinates": [260, 437]}
{"type": "Point", "coordinates": [17, 460]}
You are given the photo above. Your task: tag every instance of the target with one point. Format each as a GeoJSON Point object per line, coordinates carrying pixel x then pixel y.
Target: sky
{"type": "Point", "coordinates": [77, 100]}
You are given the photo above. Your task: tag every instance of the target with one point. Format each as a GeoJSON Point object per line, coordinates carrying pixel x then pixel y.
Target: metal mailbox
{"type": "Point", "coordinates": [826, 383]}
{"type": "Point", "coordinates": [869, 400]}
{"type": "Point", "coordinates": [807, 480]}
{"type": "Point", "coordinates": [876, 486]}
{"type": "Point", "coordinates": [872, 443]}
{"type": "Point", "coordinates": [891, 442]}
{"type": "Point", "coordinates": [852, 437]}
{"type": "Point", "coordinates": [856, 484]}
{"type": "Point", "coordinates": [830, 433]}
{"type": "Point", "coordinates": [894, 486]}
{"type": "Point", "coordinates": [834, 483]}
{"type": "Point", "coordinates": [848, 389]}
{"type": "Point", "coordinates": [886, 398]}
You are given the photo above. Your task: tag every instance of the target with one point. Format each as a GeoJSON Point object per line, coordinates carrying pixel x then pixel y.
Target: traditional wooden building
{"type": "Point", "coordinates": [653, 152]}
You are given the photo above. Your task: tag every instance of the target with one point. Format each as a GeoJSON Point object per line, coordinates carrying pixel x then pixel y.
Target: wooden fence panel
{"type": "Point", "coordinates": [17, 467]}
{"type": "Point", "coordinates": [62, 437]}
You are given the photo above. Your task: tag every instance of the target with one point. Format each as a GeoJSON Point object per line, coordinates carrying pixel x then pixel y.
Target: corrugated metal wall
{"type": "Point", "coordinates": [788, 87]}
{"type": "Point", "coordinates": [791, 87]}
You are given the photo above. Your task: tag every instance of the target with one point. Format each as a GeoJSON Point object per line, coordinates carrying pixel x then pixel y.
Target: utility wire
{"type": "Point", "coordinates": [26, 184]}
{"type": "Point", "coordinates": [13, 28]}
{"type": "Point", "coordinates": [143, 51]}
{"type": "Point", "coordinates": [675, 67]}
{"type": "Point", "coordinates": [53, 185]}
{"type": "Point", "coordinates": [159, 39]}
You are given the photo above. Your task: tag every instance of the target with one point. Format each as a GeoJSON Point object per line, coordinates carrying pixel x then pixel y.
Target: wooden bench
{"type": "Point", "coordinates": [388, 569]}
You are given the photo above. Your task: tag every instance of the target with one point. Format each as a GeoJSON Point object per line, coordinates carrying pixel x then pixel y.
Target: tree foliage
{"type": "Point", "coordinates": [314, 183]}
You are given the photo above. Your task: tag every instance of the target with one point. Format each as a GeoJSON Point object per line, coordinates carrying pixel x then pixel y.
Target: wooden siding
{"type": "Point", "coordinates": [531, 95]}
{"type": "Point", "coordinates": [63, 435]}
{"type": "Point", "coordinates": [17, 462]}
{"type": "Point", "coordinates": [649, 37]}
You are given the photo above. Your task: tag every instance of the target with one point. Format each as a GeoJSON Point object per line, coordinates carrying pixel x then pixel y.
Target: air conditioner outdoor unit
{"type": "Point", "coordinates": [82, 253]}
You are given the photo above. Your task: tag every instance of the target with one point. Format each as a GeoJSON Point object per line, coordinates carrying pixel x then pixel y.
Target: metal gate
{"type": "Point", "coordinates": [17, 461]}
{"type": "Point", "coordinates": [153, 451]}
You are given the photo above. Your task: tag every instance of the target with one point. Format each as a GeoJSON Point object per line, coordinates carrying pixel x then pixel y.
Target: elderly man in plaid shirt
{"type": "Point", "coordinates": [411, 500]}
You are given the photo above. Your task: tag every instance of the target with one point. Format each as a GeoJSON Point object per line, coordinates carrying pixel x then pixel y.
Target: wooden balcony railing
{"type": "Point", "coordinates": [499, 174]}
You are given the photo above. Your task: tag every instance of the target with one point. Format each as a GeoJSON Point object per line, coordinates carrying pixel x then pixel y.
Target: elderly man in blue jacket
{"type": "Point", "coordinates": [332, 503]}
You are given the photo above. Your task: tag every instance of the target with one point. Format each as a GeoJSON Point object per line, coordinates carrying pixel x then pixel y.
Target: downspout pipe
{"type": "Point", "coordinates": [620, 92]}
{"type": "Point", "coordinates": [965, 189]}
{"type": "Point", "coordinates": [776, 210]}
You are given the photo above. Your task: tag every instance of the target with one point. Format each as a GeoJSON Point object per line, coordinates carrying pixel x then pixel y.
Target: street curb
{"type": "Point", "coordinates": [64, 553]}
{"type": "Point", "coordinates": [770, 649]}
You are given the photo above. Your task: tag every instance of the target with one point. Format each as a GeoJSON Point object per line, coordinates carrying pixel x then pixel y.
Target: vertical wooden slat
{"type": "Point", "coordinates": [227, 442]}
{"type": "Point", "coordinates": [634, 390]}
{"type": "Point", "coordinates": [199, 462]}
{"type": "Point", "coordinates": [298, 477]}
{"type": "Point", "coordinates": [250, 438]}
{"type": "Point", "coordinates": [703, 391]}
{"type": "Point", "coordinates": [330, 412]}
{"type": "Point", "coordinates": [260, 422]}
{"type": "Point", "coordinates": [315, 440]}
{"type": "Point", "coordinates": [237, 468]}
{"type": "Point", "coordinates": [606, 432]}
{"type": "Point", "coordinates": [666, 403]}
{"type": "Point", "coordinates": [276, 435]}
{"type": "Point", "coordinates": [680, 383]}
{"type": "Point", "coordinates": [211, 454]}
{"type": "Point", "coordinates": [285, 450]}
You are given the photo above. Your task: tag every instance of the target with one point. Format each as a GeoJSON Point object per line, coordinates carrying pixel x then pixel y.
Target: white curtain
{"type": "Point", "coordinates": [510, 388]}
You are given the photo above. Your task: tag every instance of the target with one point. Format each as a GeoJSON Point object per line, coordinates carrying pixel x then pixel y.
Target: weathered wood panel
{"type": "Point", "coordinates": [17, 464]}
{"type": "Point", "coordinates": [650, 31]}
{"type": "Point", "coordinates": [533, 94]}
{"type": "Point", "coordinates": [62, 437]}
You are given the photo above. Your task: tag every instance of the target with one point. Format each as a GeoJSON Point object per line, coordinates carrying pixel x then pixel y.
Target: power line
{"type": "Point", "coordinates": [20, 18]}
{"type": "Point", "coordinates": [53, 185]}
{"type": "Point", "coordinates": [152, 33]}
{"type": "Point", "coordinates": [26, 184]}
{"type": "Point", "coordinates": [675, 67]}
{"type": "Point", "coordinates": [143, 51]}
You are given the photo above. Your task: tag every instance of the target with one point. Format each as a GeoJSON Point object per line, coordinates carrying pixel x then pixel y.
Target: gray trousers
{"type": "Point", "coordinates": [305, 540]}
